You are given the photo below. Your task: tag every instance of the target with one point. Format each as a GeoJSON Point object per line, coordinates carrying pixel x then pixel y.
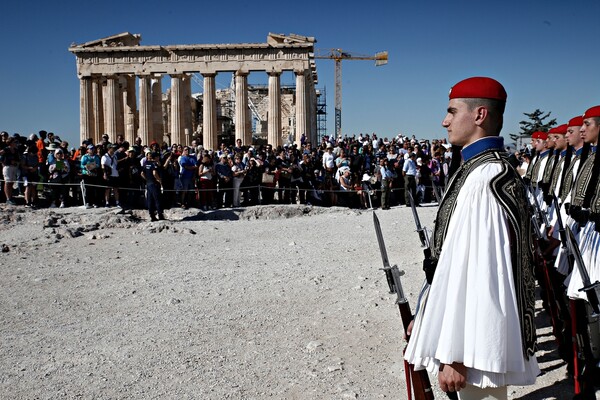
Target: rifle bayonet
{"type": "Point", "coordinates": [420, 229]}
{"type": "Point", "coordinates": [384, 257]}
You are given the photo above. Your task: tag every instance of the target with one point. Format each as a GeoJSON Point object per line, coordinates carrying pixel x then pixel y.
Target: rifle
{"type": "Point", "coordinates": [417, 380]}
{"type": "Point", "coordinates": [542, 269]}
{"type": "Point", "coordinates": [386, 263]}
{"type": "Point", "coordinates": [589, 288]}
{"type": "Point", "coordinates": [562, 233]}
{"type": "Point", "coordinates": [428, 264]}
{"type": "Point", "coordinates": [570, 249]}
{"type": "Point", "coordinates": [542, 217]}
{"type": "Point", "coordinates": [421, 230]}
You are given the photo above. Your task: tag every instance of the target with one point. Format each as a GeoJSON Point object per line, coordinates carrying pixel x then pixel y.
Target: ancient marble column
{"type": "Point", "coordinates": [158, 129]}
{"type": "Point", "coordinates": [121, 104]}
{"type": "Point", "coordinates": [187, 109]}
{"type": "Point", "coordinates": [130, 109]}
{"type": "Point", "coordinates": [98, 107]}
{"type": "Point", "coordinates": [86, 126]}
{"type": "Point", "coordinates": [209, 117]}
{"type": "Point", "coordinates": [111, 110]}
{"type": "Point", "coordinates": [241, 108]}
{"type": "Point", "coordinates": [176, 104]}
{"type": "Point", "coordinates": [146, 126]}
{"type": "Point", "coordinates": [274, 116]}
{"type": "Point", "coordinates": [301, 103]}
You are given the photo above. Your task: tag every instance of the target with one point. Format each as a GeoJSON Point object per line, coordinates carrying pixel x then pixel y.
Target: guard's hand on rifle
{"type": "Point", "coordinates": [409, 330]}
{"type": "Point", "coordinates": [452, 377]}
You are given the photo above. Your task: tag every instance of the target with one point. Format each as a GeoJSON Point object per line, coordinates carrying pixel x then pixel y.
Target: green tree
{"type": "Point", "coordinates": [536, 122]}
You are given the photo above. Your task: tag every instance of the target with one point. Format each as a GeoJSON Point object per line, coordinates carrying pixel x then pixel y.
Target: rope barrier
{"type": "Point", "coordinates": [83, 185]}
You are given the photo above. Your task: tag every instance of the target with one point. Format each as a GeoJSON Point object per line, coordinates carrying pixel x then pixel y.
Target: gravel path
{"type": "Point", "coordinates": [281, 302]}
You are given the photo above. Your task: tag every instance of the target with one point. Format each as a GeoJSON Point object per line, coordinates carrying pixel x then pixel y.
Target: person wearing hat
{"type": "Point", "coordinates": [558, 137]}
{"type": "Point", "coordinates": [150, 173]}
{"type": "Point", "coordinates": [59, 171]}
{"type": "Point", "coordinates": [552, 163]}
{"type": "Point", "coordinates": [131, 179]}
{"type": "Point", "coordinates": [328, 160]}
{"type": "Point", "coordinates": [585, 184]}
{"type": "Point", "coordinates": [575, 143]}
{"type": "Point", "coordinates": [537, 146]}
{"type": "Point", "coordinates": [584, 209]}
{"type": "Point", "coordinates": [90, 169]}
{"type": "Point", "coordinates": [542, 147]}
{"type": "Point", "coordinates": [51, 149]}
{"type": "Point", "coordinates": [475, 325]}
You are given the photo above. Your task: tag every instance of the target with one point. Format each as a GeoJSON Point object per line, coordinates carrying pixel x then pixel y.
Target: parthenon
{"type": "Point", "coordinates": [108, 69]}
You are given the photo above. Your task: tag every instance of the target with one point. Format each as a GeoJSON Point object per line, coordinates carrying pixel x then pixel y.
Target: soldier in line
{"type": "Point", "coordinates": [475, 325]}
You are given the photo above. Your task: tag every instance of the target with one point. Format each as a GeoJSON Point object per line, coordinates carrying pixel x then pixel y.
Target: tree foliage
{"type": "Point", "coordinates": [536, 122]}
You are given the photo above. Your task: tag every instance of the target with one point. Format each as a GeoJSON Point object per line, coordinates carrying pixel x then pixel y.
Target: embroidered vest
{"type": "Point", "coordinates": [549, 169]}
{"type": "Point", "coordinates": [584, 175]}
{"type": "Point", "coordinates": [530, 167]}
{"type": "Point", "coordinates": [535, 172]}
{"type": "Point", "coordinates": [568, 182]}
{"type": "Point", "coordinates": [509, 190]}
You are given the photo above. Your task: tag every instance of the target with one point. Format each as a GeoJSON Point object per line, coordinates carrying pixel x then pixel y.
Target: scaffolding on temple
{"type": "Point", "coordinates": [321, 115]}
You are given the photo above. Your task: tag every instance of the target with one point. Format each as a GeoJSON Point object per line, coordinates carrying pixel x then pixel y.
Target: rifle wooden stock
{"type": "Point", "coordinates": [420, 379]}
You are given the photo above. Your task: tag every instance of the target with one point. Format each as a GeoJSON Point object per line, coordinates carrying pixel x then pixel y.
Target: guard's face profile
{"type": "Point", "coordinates": [590, 130]}
{"type": "Point", "coordinates": [460, 122]}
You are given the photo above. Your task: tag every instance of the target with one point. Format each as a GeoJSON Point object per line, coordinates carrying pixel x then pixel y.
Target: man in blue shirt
{"type": "Point", "coordinates": [409, 171]}
{"type": "Point", "coordinates": [386, 181]}
{"type": "Point", "coordinates": [187, 173]}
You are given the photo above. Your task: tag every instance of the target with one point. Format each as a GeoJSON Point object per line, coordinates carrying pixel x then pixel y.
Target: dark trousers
{"type": "Point", "coordinates": [225, 189]}
{"type": "Point", "coordinates": [91, 189]}
{"type": "Point", "coordinates": [153, 199]}
{"type": "Point", "coordinates": [206, 192]}
{"type": "Point", "coordinates": [385, 193]}
{"type": "Point", "coordinates": [410, 186]}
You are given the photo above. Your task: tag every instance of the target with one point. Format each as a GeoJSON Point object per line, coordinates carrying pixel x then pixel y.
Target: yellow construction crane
{"type": "Point", "coordinates": [338, 55]}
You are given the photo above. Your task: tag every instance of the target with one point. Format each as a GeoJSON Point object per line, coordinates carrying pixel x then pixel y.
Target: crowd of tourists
{"type": "Point", "coordinates": [362, 171]}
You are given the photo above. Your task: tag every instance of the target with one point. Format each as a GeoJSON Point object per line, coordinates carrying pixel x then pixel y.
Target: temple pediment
{"type": "Point", "coordinates": [278, 39]}
{"type": "Point", "coordinates": [119, 40]}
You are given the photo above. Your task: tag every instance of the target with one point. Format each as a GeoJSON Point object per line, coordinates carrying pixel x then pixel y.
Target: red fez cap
{"type": "Point", "coordinates": [539, 135]}
{"type": "Point", "coordinates": [559, 130]}
{"type": "Point", "coordinates": [478, 88]}
{"type": "Point", "coordinates": [592, 112]}
{"type": "Point", "coordinates": [576, 121]}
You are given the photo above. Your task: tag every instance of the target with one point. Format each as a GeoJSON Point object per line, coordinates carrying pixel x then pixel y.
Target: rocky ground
{"type": "Point", "coordinates": [281, 302]}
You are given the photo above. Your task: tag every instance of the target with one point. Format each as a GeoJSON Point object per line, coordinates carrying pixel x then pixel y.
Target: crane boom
{"type": "Point", "coordinates": [337, 55]}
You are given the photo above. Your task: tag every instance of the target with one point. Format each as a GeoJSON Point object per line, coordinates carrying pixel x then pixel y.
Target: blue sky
{"type": "Point", "coordinates": [544, 52]}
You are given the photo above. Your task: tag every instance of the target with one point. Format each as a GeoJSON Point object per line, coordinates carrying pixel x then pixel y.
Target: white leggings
{"type": "Point", "coordinates": [471, 392]}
